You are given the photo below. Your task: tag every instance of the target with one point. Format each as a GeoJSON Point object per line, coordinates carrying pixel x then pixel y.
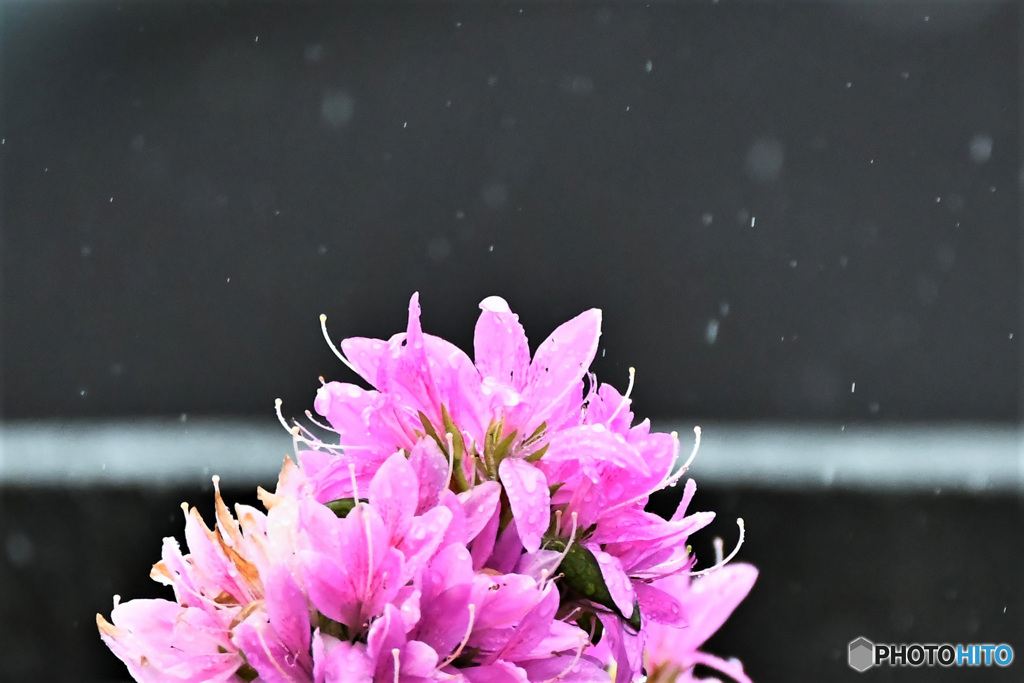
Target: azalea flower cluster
{"type": "Point", "coordinates": [476, 521]}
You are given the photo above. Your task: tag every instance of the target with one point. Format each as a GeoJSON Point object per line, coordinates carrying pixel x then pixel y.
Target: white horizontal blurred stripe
{"type": "Point", "coordinates": [966, 457]}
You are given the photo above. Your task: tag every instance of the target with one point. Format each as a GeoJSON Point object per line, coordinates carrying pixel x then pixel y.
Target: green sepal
{"type": "Point", "coordinates": [501, 449]}
{"type": "Point", "coordinates": [538, 454]}
{"type": "Point", "coordinates": [428, 428]}
{"type": "Point", "coordinates": [330, 627]}
{"type": "Point", "coordinates": [247, 673]}
{"type": "Point", "coordinates": [342, 506]}
{"type": "Point", "coordinates": [582, 576]}
{"type": "Point", "coordinates": [449, 427]}
{"type": "Point", "coordinates": [458, 448]}
{"type": "Point", "coordinates": [537, 432]}
{"type": "Point", "coordinates": [593, 627]}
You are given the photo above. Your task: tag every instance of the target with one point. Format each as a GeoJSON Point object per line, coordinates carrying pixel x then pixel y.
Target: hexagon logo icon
{"type": "Point", "coordinates": [862, 654]}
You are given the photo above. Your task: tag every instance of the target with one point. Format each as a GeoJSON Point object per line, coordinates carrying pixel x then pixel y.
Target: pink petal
{"type": "Point", "coordinates": [160, 640]}
{"type": "Point", "coordinates": [456, 531]}
{"type": "Point", "coordinates": [458, 384]}
{"type": "Point", "coordinates": [499, 672]}
{"type": "Point", "coordinates": [657, 605]}
{"type": "Point", "coordinates": [431, 469]}
{"type": "Point", "coordinates": [500, 345]}
{"type": "Point", "coordinates": [479, 503]}
{"type": "Point", "coordinates": [329, 587]}
{"type": "Point", "coordinates": [616, 579]}
{"type": "Point", "coordinates": [689, 489]}
{"type": "Point", "coordinates": [405, 372]}
{"type": "Point", "coordinates": [394, 492]}
{"type": "Point", "coordinates": [504, 600]}
{"type": "Point", "coordinates": [287, 609]}
{"type": "Point", "coordinates": [584, 670]}
{"type": "Point", "coordinates": [483, 544]}
{"type": "Point", "coordinates": [507, 549]}
{"type": "Point", "coordinates": [733, 669]}
{"type": "Point", "coordinates": [529, 498]}
{"type": "Point", "coordinates": [338, 660]}
{"type": "Point", "coordinates": [345, 406]}
{"type": "Point", "coordinates": [610, 409]}
{"type": "Point", "coordinates": [417, 659]}
{"type": "Point", "coordinates": [451, 566]}
{"type": "Point", "coordinates": [713, 597]}
{"type": "Point", "coordinates": [531, 630]}
{"type": "Point", "coordinates": [444, 619]}
{"type": "Point", "coordinates": [560, 363]}
{"type": "Point", "coordinates": [365, 356]}
{"type": "Point", "coordinates": [659, 451]}
{"type": "Point", "coordinates": [386, 634]}
{"type": "Point", "coordinates": [626, 647]}
{"type": "Point", "coordinates": [424, 537]}
{"type": "Point", "coordinates": [265, 652]}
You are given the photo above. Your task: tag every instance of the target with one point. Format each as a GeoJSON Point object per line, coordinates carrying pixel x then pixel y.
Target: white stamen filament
{"type": "Point", "coordinates": [395, 652]}
{"type": "Point", "coordinates": [321, 425]}
{"type": "Point", "coordinates": [355, 484]}
{"type": "Point", "coordinates": [671, 479]}
{"type": "Point", "coordinates": [280, 416]}
{"type": "Point", "coordinates": [296, 440]}
{"type": "Point", "coordinates": [451, 467]}
{"type": "Point", "coordinates": [572, 539]}
{"type": "Point", "coordinates": [369, 548]}
{"type": "Point", "coordinates": [296, 430]}
{"type": "Point", "coordinates": [625, 397]}
{"type": "Point", "coordinates": [312, 440]}
{"type": "Point", "coordinates": [568, 617]}
{"type": "Point", "coordinates": [465, 639]}
{"type": "Point", "coordinates": [366, 526]}
{"type": "Point", "coordinates": [305, 432]}
{"type": "Point", "coordinates": [579, 653]}
{"type": "Point", "coordinates": [341, 357]}
{"type": "Point", "coordinates": [721, 563]}
{"type": "Point", "coordinates": [719, 549]}
{"type": "Point", "coordinates": [270, 656]}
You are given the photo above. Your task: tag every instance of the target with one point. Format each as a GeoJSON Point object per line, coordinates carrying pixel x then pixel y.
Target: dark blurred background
{"type": "Point", "coordinates": [792, 213]}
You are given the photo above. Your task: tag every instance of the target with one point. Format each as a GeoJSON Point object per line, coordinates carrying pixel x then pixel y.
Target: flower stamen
{"type": "Point", "coordinates": [465, 639]}
{"type": "Point", "coordinates": [722, 562]}
{"type": "Point", "coordinates": [625, 397]}
{"type": "Point", "coordinates": [341, 357]}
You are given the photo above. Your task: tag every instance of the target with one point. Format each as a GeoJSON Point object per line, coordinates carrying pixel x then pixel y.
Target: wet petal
{"type": "Point", "coordinates": [560, 363]}
{"type": "Point", "coordinates": [659, 606]}
{"type": "Point", "coordinates": [346, 406]}
{"type": "Point", "coordinates": [500, 345]}
{"type": "Point", "coordinates": [338, 660]}
{"type": "Point", "coordinates": [619, 585]}
{"type": "Point", "coordinates": [529, 498]}
{"type": "Point", "coordinates": [394, 491]}
{"type": "Point", "coordinates": [479, 503]}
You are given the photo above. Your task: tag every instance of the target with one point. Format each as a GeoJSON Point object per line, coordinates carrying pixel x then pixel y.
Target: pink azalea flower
{"type": "Point", "coordinates": [707, 602]}
{"type": "Point", "coordinates": [498, 410]}
{"type": "Point", "coordinates": [162, 641]}
{"type": "Point", "coordinates": [477, 520]}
